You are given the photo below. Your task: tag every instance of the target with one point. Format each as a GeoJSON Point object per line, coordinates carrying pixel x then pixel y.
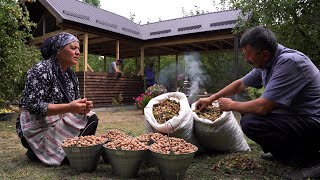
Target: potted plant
{"type": "Point", "coordinates": [143, 99]}
{"type": "Point", "coordinates": [156, 90]}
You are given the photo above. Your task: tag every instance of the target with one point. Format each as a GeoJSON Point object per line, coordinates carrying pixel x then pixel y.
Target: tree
{"type": "Point", "coordinates": [15, 56]}
{"type": "Point", "coordinates": [195, 12]}
{"type": "Point", "coordinates": [293, 21]}
{"type": "Point", "coordinates": [93, 2]}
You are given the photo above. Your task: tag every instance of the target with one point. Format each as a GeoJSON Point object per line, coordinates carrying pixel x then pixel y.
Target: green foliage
{"type": "Point", "coordinates": [293, 22]}
{"type": "Point", "coordinates": [2, 103]}
{"type": "Point", "coordinates": [195, 12]}
{"type": "Point", "coordinates": [142, 100]}
{"type": "Point", "coordinates": [96, 62]}
{"type": "Point", "coordinates": [220, 68]}
{"type": "Point", "coordinates": [145, 100]}
{"type": "Point", "coordinates": [129, 66]}
{"type": "Point", "coordinates": [254, 93]}
{"type": "Point", "coordinates": [15, 56]}
{"type": "Point", "coordinates": [117, 100]}
{"type": "Point", "coordinates": [93, 2]}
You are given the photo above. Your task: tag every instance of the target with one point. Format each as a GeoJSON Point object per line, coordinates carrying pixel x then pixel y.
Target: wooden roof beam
{"type": "Point", "coordinates": [216, 44]}
{"type": "Point", "coordinates": [40, 39]}
{"type": "Point", "coordinates": [188, 41]}
{"type": "Point", "coordinates": [187, 48]}
{"type": "Point", "coordinates": [99, 40]}
{"type": "Point", "coordinates": [199, 46]}
{"type": "Point", "coordinates": [170, 49]}
{"type": "Point", "coordinates": [228, 42]}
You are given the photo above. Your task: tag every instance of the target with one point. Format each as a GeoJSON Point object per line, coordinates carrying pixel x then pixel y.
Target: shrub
{"type": "Point", "coordinates": [155, 90]}
{"type": "Point", "coordinates": [143, 99]}
{"type": "Point", "coordinates": [254, 93]}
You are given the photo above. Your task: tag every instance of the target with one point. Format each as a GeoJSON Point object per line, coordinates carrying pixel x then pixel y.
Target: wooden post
{"type": "Point", "coordinates": [104, 63]}
{"type": "Point", "coordinates": [44, 24]}
{"type": "Point", "coordinates": [85, 61]}
{"type": "Point", "coordinates": [136, 66]}
{"type": "Point", "coordinates": [85, 51]}
{"type": "Point", "coordinates": [142, 67]}
{"type": "Point", "coordinates": [77, 67]}
{"type": "Point", "coordinates": [118, 50]}
{"type": "Point", "coordinates": [84, 84]}
{"type": "Point", "coordinates": [176, 82]}
{"type": "Point", "coordinates": [158, 68]}
{"type": "Point", "coordinates": [78, 63]}
{"type": "Point", "coordinates": [236, 57]}
{"type": "Point", "coordinates": [142, 61]}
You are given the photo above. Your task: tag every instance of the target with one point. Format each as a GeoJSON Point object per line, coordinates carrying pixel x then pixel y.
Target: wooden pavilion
{"type": "Point", "coordinates": [110, 35]}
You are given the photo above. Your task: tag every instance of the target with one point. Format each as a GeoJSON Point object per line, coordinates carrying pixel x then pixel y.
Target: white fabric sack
{"type": "Point", "coordinates": [224, 134]}
{"type": "Point", "coordinates": [180, 126]}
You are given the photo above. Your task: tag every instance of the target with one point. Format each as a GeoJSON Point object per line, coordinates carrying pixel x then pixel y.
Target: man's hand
{"type": "Point", "coordinates": [225, 104]}
{"type": "Point", "coordinates": [203, 103]}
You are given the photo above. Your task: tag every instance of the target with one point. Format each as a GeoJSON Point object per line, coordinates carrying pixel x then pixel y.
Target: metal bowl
{"type": "Point", "coordinates": [125, 163]}
{"type": "Point", "coordinates": [173, 166]}
{"type": "Point", "coordinates": [83, 159]}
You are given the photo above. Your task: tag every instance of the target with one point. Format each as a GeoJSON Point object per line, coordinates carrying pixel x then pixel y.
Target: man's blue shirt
{"type": "Point", "coordinates": [291, 80]}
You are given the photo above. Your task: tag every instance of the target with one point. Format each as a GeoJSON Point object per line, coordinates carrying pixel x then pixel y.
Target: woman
{"type": "Point", "coordinates": [51, 108]}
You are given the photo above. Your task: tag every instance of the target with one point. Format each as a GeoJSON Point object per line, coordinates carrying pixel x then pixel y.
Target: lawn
{"type": "Point", "coordinates": [244, 165]}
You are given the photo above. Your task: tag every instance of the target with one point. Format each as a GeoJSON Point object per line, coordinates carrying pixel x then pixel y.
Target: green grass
{"type": "Point", "coordinates": [240, 166]}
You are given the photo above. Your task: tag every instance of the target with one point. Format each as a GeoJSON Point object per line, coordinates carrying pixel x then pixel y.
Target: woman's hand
{"type": "Point", "coordinates": [78, 106]}
{"type": "Point", "coordinates": [89, 105]}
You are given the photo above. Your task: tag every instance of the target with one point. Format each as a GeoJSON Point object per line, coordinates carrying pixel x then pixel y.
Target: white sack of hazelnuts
{"type": "Point", "coordinates": [219, 132]}
{"type": "Point", "coordinates": [180, 125]}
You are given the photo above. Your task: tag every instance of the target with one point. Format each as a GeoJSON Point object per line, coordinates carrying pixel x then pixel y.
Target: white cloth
{"type": "Point", "coordinates": [45, 135]}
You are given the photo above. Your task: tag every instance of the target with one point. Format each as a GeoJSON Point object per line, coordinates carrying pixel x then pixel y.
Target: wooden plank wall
{"type": "Point", "coordinates": [102, 88]}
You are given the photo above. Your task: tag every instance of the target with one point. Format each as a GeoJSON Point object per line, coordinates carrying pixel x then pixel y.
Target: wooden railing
{"type": "Point", "coordinates": [106, 89]}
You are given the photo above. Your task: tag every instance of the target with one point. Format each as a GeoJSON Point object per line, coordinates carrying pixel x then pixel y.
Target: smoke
{"type": "Point", "coordinates": [167, 77]}
{"type": "Point", "coordinates": [195, 74]}
{"type": "Point", "coordinates": [192, 69]}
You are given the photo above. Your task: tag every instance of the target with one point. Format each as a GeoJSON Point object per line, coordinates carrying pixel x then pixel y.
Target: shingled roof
{"type": "Point", "coordinates": [86, 14]}
{"type": "Point", "coordinates": [204, 32]}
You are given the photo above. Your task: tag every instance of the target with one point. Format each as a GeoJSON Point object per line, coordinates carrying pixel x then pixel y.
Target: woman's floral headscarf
{"type": "Point", "coordinates": [49, 50]}
{"type": "Point", "coordinates": [51, 45]}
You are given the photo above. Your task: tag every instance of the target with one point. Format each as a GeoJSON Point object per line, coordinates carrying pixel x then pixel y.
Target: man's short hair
{"type": "Point", "coordinates": [260, 38]}
{"type": "Point", "coordinates": [120, 60]}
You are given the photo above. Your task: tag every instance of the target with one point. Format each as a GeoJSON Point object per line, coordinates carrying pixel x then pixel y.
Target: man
{"type": "Point", "coordinates": [113, 67]}
{"type": "Point", "coordinates": [285, 120]}
{"type": "Point", "coordinates": [149, 73]}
